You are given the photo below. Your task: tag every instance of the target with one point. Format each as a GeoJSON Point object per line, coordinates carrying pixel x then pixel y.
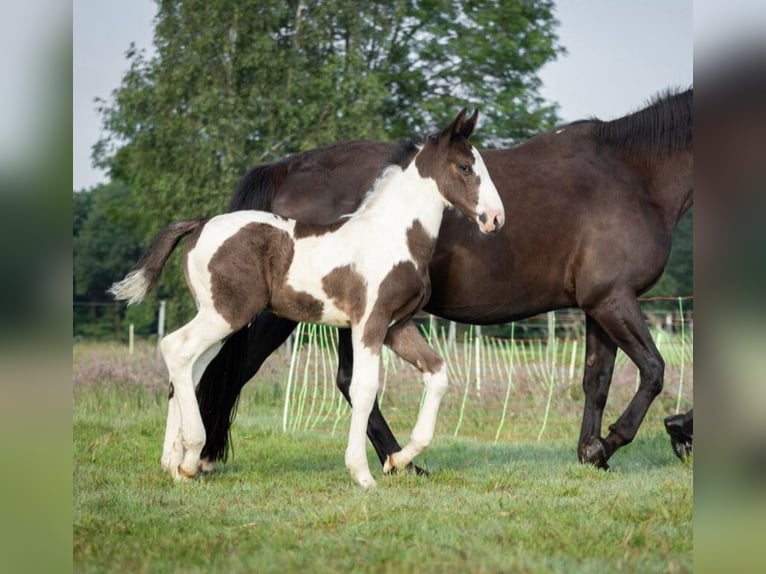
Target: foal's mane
{"type": "Point", "coordinates": [662, 127]}
{"type": "Point", "coordinates": [400, 158]}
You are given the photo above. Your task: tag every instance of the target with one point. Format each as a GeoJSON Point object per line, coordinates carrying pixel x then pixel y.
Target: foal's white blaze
{"type": "Point", "coordinates": [489, 204]}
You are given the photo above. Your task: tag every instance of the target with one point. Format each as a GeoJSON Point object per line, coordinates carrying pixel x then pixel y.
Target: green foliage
{"type": "Point", "coordinates": [237, 83]}
{"type": "Point", "coordinates": [107, 244]}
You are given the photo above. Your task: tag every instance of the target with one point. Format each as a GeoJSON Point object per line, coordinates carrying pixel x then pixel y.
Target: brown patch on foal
{"type": "Point", "coordinates": [403, 291]}
{"type": "Point", "coordinates": [409, 344]}
{"type": "Point", "coordinates": [248, 273]}
{"type": "Point", "coordinates": [421, 244]}
{"type": "Point", "coordinates": [348, 290]}
{"type": "Point", "coordinates": [303, 230]}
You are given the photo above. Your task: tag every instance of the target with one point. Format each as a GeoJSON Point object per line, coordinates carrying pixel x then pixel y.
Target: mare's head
{"type": "Point", "coordinates": [460, 173]}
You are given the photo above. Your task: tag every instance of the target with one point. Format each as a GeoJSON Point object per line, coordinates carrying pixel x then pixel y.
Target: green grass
{"type": "Point", "coordinates": [285, 503]}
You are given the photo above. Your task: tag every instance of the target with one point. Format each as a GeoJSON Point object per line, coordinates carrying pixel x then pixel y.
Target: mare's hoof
{"type": "Point", "coordinates": [417, 470]}
{"type": "Point", "coordinates": [680, 438]}
{"type": "Point", "coordinates": [593, 451]}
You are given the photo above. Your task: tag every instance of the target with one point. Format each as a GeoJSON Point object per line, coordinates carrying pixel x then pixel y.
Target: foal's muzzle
{"type": "Point", "coordinates": [491, 221]}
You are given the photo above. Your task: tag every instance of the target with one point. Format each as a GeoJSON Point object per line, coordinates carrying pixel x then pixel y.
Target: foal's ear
{"type": "Point", "coordinates": [469, 125]}
{"type": "Point", "coordinates": [454, 129]}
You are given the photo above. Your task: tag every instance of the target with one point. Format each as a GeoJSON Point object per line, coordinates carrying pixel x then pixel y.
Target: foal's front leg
{"type": "Point", "coordinates": [407, 342]}
{"type": "Point", "coordinates": [364, 388]}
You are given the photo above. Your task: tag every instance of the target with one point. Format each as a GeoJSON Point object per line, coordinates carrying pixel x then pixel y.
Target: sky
{"type": "Point", "coordinates": [620, 54]}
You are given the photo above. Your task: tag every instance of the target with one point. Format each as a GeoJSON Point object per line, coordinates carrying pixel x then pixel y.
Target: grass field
{"type": "Point", "coordinates": [285, 502]}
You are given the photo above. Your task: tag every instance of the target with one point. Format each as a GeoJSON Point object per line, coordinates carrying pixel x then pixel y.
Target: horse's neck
{"type": "Point", "coordinates": [672, 185]}
{"type": "Point", "coordinates": [402, 198]}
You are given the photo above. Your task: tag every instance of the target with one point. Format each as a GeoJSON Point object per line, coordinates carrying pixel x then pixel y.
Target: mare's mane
{"type": "Point", "coordinates": [662, 127]}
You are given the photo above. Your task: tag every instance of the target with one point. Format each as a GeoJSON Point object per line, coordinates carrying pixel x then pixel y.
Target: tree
{"type": "Point", "coordinates": [106, 245]}
{"type": "Point", "coordinates": [237, 83]}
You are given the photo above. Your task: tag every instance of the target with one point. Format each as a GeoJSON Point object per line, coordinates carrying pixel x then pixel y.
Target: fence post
{"type": "Point", "coordinates": [477, 343]}
{"type": "Point", "coordinates": [130, 339]}
{"type": "Point", "coordinates": [683, 353]}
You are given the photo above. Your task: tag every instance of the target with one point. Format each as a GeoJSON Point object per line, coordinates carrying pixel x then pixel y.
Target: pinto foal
{"type": "Point", "coordinates": [368, 272]}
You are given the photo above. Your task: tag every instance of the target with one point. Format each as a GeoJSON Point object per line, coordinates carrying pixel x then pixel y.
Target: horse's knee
{"type": "Point", "coordinates": [437, 381]}
{"type": "Point", "coordinates": [653, 376]}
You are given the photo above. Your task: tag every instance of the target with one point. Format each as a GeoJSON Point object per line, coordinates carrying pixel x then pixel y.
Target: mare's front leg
{"type": "Point", "coordinates": [407, 342]}
{"type": "Point", "coordinates": [620, 318]}
{"type": "Point", "coordinates": [600, 352]}
{"type": "Point", "coordinates": [363, 391]}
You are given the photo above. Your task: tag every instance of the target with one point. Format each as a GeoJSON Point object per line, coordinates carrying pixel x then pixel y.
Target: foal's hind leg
{"type": "Point", "coordinates": [172, 450]}
{"type": "Point", "coordinates": [620, 317]}
{"type": "Point", "coordinates": [187, 352]}
{"type": "Point", "coordinates": [407, 342]}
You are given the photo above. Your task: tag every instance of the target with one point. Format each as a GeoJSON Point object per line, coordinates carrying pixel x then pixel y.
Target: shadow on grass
{"type": "Point", "coordinates": [294, 454]}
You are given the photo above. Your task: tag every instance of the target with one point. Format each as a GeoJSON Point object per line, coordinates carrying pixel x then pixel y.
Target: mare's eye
{"type": "Point", "coordinates": [465, 168]}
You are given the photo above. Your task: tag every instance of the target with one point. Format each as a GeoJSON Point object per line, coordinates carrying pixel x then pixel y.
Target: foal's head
{"type": "Point", "coordinates": [460, 173]}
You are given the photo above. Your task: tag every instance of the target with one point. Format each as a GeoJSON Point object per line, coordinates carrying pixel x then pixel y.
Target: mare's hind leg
{"type": "Point", "coordinates": [600, 353]}
{"type": "Point", "coordinates": [187, 352]}
{"type": "Point", "coordinates": [407, 342]}
{"type": "Point", "coordinates": [620, 317]}
{"type": "Point", "coordinates": [241, 357]}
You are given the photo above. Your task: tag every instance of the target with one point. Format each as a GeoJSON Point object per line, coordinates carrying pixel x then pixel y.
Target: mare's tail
{"type": "Point", "coordinates": [147, 272]}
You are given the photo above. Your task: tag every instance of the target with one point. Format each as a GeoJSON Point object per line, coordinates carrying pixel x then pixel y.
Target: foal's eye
{"type": "Point", "coordinates": [465, 168]}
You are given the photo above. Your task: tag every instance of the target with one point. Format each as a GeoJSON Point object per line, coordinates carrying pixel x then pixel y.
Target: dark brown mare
{"type": "Point", "coordinates": [592, 209]}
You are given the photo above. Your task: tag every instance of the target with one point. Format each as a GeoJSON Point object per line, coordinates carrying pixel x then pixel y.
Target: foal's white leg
{"type": "Point", "coordinates": [200, 365]}
{"type": "Point", "coordinates": [423, 433]}
{"type": "Point", "coordinates": [185, 351]}
{"type": "Point", "coordinates": [172, 449]}
{"type": "Point", "coordinates": [407, 342]}
{"type": "Point", "coordinates": [364, 388]}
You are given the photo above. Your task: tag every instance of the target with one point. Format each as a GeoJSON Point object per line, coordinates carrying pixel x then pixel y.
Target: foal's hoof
{"type": "Point", "coordinates": [389, 467]}
{"type": "Point", "coordinates": [185, 474]}
{"type": "Point", "coordinates": [593, 451]}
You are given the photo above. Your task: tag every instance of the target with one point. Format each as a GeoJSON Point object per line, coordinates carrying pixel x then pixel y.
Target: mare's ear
{"type": "Point", "coordinates": [454, 128]}
{"type": "Point", "coordinates": [469, 125]}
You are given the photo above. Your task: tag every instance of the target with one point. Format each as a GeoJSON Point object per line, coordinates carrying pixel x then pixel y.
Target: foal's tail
{"type": "Point", "coordinates": [146, 274]}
